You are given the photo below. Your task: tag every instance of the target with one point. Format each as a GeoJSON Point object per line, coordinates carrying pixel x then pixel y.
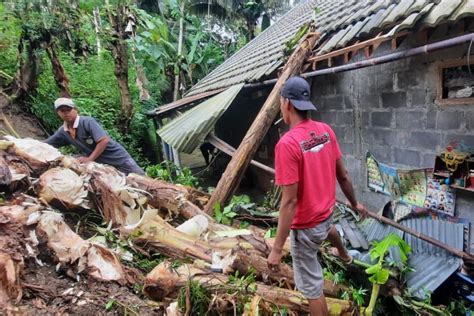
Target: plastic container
{"type": "Point", "coordinates": [216, 265]}
{"type": "Point", "coordinates": [194, 226]}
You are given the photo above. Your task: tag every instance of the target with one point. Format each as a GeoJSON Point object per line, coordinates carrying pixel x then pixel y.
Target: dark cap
{"type": "Point", "coordinates": [297, 90]}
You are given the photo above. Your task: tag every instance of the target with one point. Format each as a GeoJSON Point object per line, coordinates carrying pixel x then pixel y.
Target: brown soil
{"type": "Point", "coordinates": [24, 124]}
{"type": "Point", "coordinates": [48, 292]}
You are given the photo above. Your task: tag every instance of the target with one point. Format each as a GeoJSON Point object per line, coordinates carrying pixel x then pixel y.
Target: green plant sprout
{"type": "Point", "coordinates": [168, 171]}
{"type": "Point", "coordinates": [378, 274]}
{"type": "Point", "coordinates": [226, 215]}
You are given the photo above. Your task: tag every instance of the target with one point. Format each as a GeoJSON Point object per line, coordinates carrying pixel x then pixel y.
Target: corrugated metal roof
{"type": "Point", "coordinates": [432, 264]}
{"type": "Point", "coordinates": [181, 102]}
{"type": "Point", "coordinates": [341, 22]}
{"type": "Point", "coordinates": [189, 130]}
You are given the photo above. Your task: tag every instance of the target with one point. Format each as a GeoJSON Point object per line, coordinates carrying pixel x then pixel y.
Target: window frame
{"type": "Point", "coordinates": [439, 94]}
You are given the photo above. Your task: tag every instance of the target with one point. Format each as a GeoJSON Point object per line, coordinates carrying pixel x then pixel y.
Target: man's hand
{"type": "Point", "coordinates": [84, 159]}
{"type": "Point", "coordinates": [361, 210]}
{"type": "Point", "coordinates": [274, 259]}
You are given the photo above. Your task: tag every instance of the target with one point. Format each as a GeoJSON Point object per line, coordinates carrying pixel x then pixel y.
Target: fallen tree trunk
{"type": "Point", "coordinates": [156, 233]}
{"type": "Point", "coordinates": [234, 171]}
{"type": "Point", "coordinates": [179, 200]}
{"type": "Point", "coordinates": [117, 202]}
{"type": "Point", "coordinates": [175, 198]}
{"type": "Point", "coordinates": [10, 287]}
{"type": "Point", "coordinates": [14, 173]}
{"type": "Point", "coordinates": [172, 197]}
{"type": "Point", "coordinates": [69, 249]}
{"type": "Point", "coordinates": [63, 186]}
{"type": "Point", "coordinates": [37, 154]}
{"type": "Point", "coordinates": [164, 281]}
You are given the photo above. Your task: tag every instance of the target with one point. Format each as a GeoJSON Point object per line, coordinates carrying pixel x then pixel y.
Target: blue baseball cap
{"type": "Point", "coordinates": [298, 91]}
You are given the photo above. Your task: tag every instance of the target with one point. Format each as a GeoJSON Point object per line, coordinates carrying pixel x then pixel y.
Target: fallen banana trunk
{"type": "Point", "coordinates": [164, 281]}
{"type": "Point", "coordinates": [69, 249]}
{"type": "Point", "coordinates": [156, 233]}
{"type": "Point", "coordinates": [118, 202]}
{"type": "Point", "coordinates": [63, 186]}
{"type": "Point", "coordinates": [172, 197]}
{"type": "Point", "coordinates": [179, 200]}
{"type": "Point", "coordinates": [14, 173]}
{"type": "Point", "coordinates": [39, 155]}
{"type": "Point", "coordinates": [14, 247]}
{"type": "Point", "coordinates": [10, 287]}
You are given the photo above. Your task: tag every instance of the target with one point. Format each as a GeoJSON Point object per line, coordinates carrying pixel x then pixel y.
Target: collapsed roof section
{"type": "Point", "coordinates": [189, 130]}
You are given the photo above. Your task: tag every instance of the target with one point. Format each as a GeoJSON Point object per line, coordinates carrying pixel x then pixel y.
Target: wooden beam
{"type": "Point", "coordinates": [229, 150]}
{"type": "Point", "coordinates": [376, 41]}
{"type": "Point", "coordinates": [346, 57]}
{"type": "Point", "coordinates": [459, 253]}
{"type": "Point", "coordinates": [367, 52]}
{"type": "Point", "coordinates": [233, 174]}
{"type": "Point", "coordinates": [394, 44]}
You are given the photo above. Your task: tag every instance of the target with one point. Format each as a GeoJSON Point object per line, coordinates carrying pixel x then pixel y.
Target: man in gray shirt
{"type": "Point", "coordinates": [90, 138]}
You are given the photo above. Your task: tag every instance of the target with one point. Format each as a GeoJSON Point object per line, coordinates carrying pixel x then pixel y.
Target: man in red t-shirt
{"type": "Point", "coordinates": [307, 163]}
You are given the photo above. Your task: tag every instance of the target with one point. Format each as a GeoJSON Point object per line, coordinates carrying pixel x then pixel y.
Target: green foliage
{"type": "Point", "coordinates": [225, 216]}
{"type": "Point", "coordinates": [244, 283]}
{"type": "Point", "coordinates": [109, 305]}
{"type": "Point", "coordinates": [199, 296]}
{"type": "Point", "coordinates": [377, 273]}
{"type": "Point", "coordinates": [456, 307]}
{"type": "Point", "coordinates": [272, 198]}
{"type": "Point", "coordinates": [244, 225]}
{"type": "Point", "coordinates": [244, 286]}
{"type": "Point", "coordinates": [356, 295]}
{"type": "Point", "coordinates": [126, 310]}
{"type": "Point", "coordinates": [168, 171]}
{"type": "Point", "coordinates": [147, 263]}
{"type": "Point", "coordinates": [270, 233]}
{"type": "Point", "coordinates": [9, 37]}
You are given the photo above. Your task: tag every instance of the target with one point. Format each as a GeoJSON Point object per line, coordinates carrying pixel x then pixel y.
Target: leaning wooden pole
{"type": "Point", "coordinates": [459, 253]}
{"type": "Point", "coordinates": [232, 176]}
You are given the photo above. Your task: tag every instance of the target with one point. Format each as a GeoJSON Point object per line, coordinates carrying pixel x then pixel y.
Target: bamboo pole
{"type": "Point", "coordinates": [232, 176]}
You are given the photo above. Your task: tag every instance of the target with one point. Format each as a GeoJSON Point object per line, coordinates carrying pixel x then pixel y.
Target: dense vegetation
{"type": "Point", "coordinates": [118, 59]}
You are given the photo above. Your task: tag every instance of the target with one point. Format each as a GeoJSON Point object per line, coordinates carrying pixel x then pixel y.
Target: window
{"type": "Point", "coordinates": [456, 82]}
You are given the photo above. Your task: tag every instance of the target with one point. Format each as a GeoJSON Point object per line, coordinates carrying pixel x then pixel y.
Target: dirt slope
{"type": "Point", "coordinates": [25, 124]}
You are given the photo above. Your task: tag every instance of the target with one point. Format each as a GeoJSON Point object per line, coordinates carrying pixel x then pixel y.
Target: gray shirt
{"type": "Point", "coordinates": [88, 133]}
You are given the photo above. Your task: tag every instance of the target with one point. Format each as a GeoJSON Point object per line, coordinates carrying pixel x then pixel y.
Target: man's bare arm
{"type": "Point", "coordinates": [98, 150]}
{"type": "Point", "coordinates": [287, 211]}
{"type": "Point", "coordinates": [345, 183]}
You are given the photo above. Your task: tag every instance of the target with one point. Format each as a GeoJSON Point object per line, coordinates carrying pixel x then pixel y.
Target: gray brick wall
{"type": "Point", "coordinates": [390, 110]}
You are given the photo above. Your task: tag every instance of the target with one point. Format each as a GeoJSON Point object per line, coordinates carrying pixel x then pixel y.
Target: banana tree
{"type": "Point", "coordinates": [378, 273]}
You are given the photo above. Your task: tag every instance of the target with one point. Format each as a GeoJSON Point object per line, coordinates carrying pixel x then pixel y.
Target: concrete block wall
{"type": "Point", "coordinates": [390, 111]}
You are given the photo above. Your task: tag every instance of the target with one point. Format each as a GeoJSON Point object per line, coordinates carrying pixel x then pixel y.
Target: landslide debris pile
{"type": "Point", "coordinates": [57, 256]}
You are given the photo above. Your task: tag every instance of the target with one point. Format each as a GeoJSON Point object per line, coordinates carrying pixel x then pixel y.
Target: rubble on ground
{"type": "Point", "coordinates": [44, 247]}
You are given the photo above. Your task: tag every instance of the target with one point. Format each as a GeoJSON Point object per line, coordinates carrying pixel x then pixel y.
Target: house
{"type": "Point", "coordinates": [392, 77]}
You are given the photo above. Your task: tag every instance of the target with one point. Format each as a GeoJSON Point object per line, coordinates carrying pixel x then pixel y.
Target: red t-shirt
{"type": "Point", "coordinates": [307, 155]}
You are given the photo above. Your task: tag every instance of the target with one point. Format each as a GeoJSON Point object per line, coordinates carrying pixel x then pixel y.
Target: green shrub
{"type": "Point", "coordinates": [168, 171]}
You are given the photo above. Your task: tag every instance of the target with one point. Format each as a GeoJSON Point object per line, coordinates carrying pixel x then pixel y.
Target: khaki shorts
{"type": "Point", "coordinates": [305, 245]}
